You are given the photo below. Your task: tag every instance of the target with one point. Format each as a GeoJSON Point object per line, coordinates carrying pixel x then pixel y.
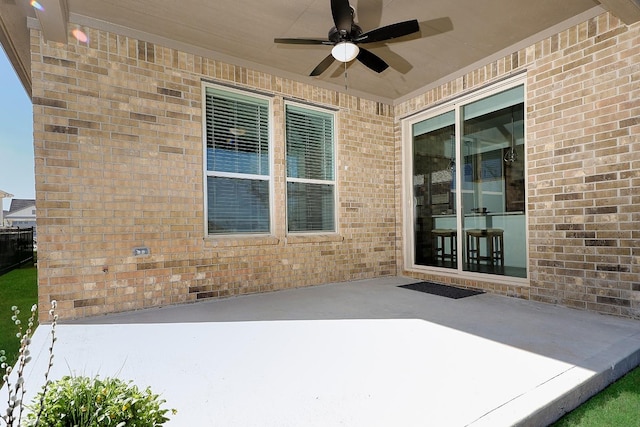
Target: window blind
{"type": "Point", "coordinates": [310, 170]}
{"type": "Point", "coordinates": [237, 133]}
{"type": "Point", "coordinates": [237, 163]}
{"type": "Point", "coordinates": [310, 207]}
{"type": "Point", "coordinates": [237, 205]}
{"type": "Point", "coordinates": [309, 144]}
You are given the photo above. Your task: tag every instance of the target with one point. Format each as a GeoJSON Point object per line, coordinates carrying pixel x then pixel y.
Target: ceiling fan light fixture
{"type": "Point", "coordinates": [345, 51]}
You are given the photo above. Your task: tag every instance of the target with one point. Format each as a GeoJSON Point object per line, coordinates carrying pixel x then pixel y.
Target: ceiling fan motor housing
{"type": "Point", "coordinates": [336, 36]}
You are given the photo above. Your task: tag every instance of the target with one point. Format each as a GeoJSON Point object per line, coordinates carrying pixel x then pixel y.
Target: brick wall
{"type": "Point", "coordinates": [118, 147]}
{"type": "Point", "coordinates": [118, 152]}
{"type": "Point", "coordinates": [583, 151]}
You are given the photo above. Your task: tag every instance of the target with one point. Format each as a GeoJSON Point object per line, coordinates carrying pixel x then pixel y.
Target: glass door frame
{"type": "Point", "coordinates": [455, 104]}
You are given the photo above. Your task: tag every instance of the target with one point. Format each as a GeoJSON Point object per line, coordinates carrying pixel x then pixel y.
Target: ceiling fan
{"type": "Point", "coordinates": [347, 35]}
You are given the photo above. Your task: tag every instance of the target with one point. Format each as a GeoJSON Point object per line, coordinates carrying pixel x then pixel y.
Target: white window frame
{"type": "Point", "coordinates": [333, 182]}
{"type": "Point", "coordinates": [207, 173]}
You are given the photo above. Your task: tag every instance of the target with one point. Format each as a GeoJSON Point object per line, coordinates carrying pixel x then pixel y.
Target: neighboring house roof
{"type": "Point", "coordinates": [22, 213]}
{"type": "Point", "coordinates": [20, 204]}
{"type": "Point", "coordinates": [4, 194]}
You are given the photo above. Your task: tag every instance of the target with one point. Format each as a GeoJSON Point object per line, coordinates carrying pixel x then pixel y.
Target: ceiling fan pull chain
{"type": "Point", "coordinates": [345, 76]}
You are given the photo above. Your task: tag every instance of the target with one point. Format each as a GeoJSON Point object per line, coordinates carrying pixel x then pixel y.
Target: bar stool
{"type": "Point", "coordinates": [439, 236]}
{"type": "Point", "coordinates": [495, 244]}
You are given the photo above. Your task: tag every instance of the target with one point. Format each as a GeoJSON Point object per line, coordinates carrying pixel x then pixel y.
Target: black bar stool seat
{"type": "Point", "coordinates": [495, 245]}
{"type": "Point", "coordinates": [440, 235]}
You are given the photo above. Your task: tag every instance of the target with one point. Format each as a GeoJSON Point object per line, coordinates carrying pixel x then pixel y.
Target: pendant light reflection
{"type": "Point", "coordinates": [36, 5]}
{"type": "Point", "coordinates": [511, 156]}
{"type": "Point", "coordinates": [452, 162]}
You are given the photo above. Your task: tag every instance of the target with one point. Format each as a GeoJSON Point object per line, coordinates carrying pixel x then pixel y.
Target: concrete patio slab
{"type": "Point", "coordinates": [364, 353]}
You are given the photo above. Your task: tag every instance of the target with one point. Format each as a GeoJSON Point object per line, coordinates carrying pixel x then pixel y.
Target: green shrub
{"type": "Point", "coordinates": [73, 401]}
{"type": "Point", "coordinates": [91, 402]}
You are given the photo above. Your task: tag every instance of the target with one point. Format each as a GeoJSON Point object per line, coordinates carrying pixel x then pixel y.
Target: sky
{"type": "Point", "coordinates": [16, 135]}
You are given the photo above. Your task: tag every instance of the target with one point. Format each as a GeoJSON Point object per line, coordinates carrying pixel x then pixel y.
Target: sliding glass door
{"type": "Point", "coordinates": [480, 225]}
{"type": "Point", "coordinates": [434, 200]}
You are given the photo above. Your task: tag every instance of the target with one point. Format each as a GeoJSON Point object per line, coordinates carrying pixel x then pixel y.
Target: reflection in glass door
{"type": "Point", "coordinates": [486, 234]}
{"type": "Point", "coordinates": [493, 194]}
{"type": "Point", "coordinates": [435, 231]}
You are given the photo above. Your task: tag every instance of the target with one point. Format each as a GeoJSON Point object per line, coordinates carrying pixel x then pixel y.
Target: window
{"type": "Point", "coordinates": [310, 170]}
{"type": "Point", "coordinates": [237, 154]}
{"type": "Point", "coordinates": [478, 226]}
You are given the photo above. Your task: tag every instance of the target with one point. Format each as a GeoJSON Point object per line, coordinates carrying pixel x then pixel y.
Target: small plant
{"type": "Point", "coordinates": [74, 401]}
{"type": "Point", "coordinates": [90, 402]}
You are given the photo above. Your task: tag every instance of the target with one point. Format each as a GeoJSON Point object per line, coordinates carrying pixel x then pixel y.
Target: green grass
{"type": "Point", "coordinates": [617, 405]}
{"type": "Point", "coordinates": [20, 288]}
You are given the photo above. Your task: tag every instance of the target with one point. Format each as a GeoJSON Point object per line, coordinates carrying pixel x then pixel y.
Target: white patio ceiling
{"type": "Point", "coordinates": [455, 35]}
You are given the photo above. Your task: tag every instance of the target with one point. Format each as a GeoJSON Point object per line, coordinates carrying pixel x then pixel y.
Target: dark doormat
{"type": "Point", "coordinates": [442, 290]}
